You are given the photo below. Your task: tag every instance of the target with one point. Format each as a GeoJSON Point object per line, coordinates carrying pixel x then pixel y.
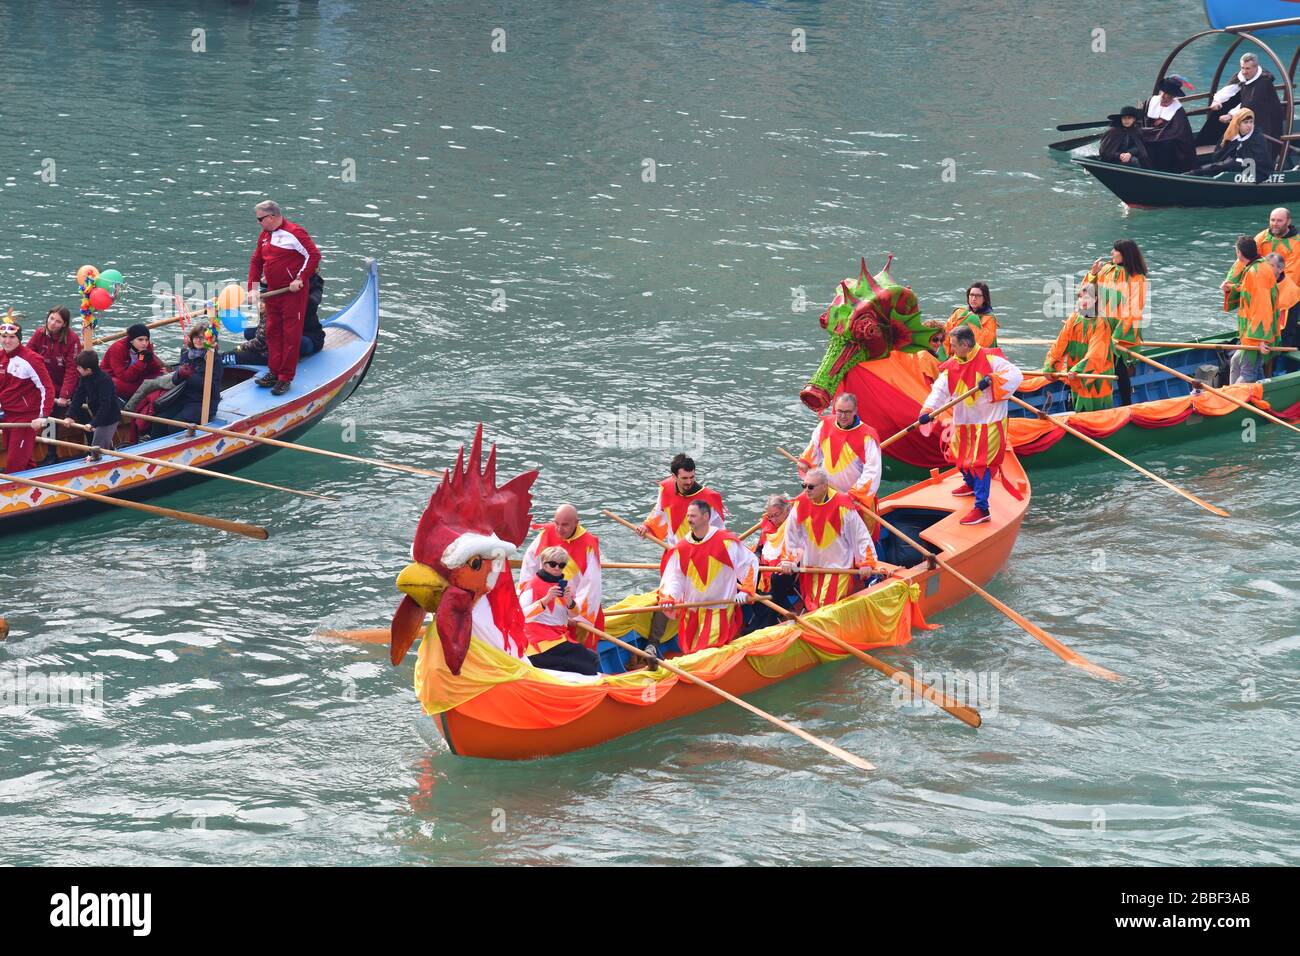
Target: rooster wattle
{"type": "Point", "coordinates": [460, 556]}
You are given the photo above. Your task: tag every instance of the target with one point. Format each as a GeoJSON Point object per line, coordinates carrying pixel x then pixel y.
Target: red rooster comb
{"type": "Point", "coordinates": [468, 500]}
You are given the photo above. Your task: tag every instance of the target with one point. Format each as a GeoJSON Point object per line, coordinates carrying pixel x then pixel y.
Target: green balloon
{"type": "Point", "coordinates": [108, 279]}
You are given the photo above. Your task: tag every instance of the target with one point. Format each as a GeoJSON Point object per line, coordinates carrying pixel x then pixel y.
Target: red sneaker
{"type": "Point", "coordinates": [965, 491]}
{"type": "Point", "coordinates": [975, 516]}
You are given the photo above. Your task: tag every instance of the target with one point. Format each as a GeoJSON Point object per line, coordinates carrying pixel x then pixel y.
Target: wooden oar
{"type": "Point", "coordinates": [633, 528]}
{"type": "Point", "coordinates": [1209, 388]}
{"type": "Point", "coordinates": [967, 715]}
{"type": "Point", "coordinates": [773, 568]}
{"type": "Point", "coordinates": [751, 530]}
{"type": "Point", "coordinates": [1066, 145]}
{"type": "Point", "coordinates": [1219, 346]}
{"type": "Point", "coordinates": [686, 675]}
{"type": "Point", "coordinates": [1029, 627]}
{"type": "Point", "coordinates": [621, 611]}
{"type": "Point", "coordinates": [212, 429]}
{"type": "Point", "coordinates": [1028, 371]}
{"type": "Point", "coordinates": [1071, 127]}
{"type": "Point", "coordinates": [177, 466]}
{"type": "Point", "coordinates": [893, 438]}
{"type": "Point", "coordinates": [369, 635]}
{"type": "Point", "coordinates": [1003, 341]}
{"type": "Point", "coordinates": [221, 524]}
{"type": "Point", "coordinates": [1213, 509]}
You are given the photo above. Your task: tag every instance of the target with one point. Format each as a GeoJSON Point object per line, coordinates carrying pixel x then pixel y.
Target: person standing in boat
{"type": "Point", "coordinates": [1244, 150]}
{"type": "Point", "coordinates": [285, 258]}
{"type": "Point", "coordinates": [825, 530]}
{"type": "Point", "coordinates": [1121, 299]}
{"type": "Point", "coordinates": [1170, 143]}
{"type": "Point", "coordinates": [58, 345]}
{"type": "Point", "coordinates": [668, 520]}
{"type": "Point", "coordinates": [95, 391]}
{"type": "Point", "coordinates": [1250, 290]}
{"type": "Point", "coordinates": [979, 435]}
{"type": "Point", "coordinates": [1123, 143]}
{"type": "Point", "coordinates": [1288, 295]}
{"type": "Point", "coordinates": [770, 550]}
{"type": "Point", "coordinates": [1282, 237]}
{"type": "Point", "coordinates": [1252, 89]}
{"type": "Point", "coordinates": [707, 564]}
{"type": "Point", "coordinates": [847, 449]}
{"type": "Point", "coordinates": [978, 314]}
{"type": "Point", "coordinates": [1083, 345]}
{"type": "Point", "coordinates": [26, 394]}
{"type": "Point", "coordinates": [549, 599]}
{"type": "Point", "coordinates": [130, 360]}
{"type": "Point", "coordinates": [582, 568]}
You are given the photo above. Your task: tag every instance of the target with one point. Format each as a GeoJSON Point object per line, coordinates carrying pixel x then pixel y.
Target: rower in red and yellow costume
{"type": "Point", "coordinates": [1083, 345]}
{"type": "Point", "coordinates": [825, 530]}
{"type": "Point", "coordinates": [583, 568]}
{"type": "Point", "coordinates": [979, 433]}
{"type": "Point", "coordinates": [1251, 291]}
{"type": "Point", "coordinates": [667, 521]}
{"type": "Point", "coordinates": [707, 564]}
{"type": "Point", "coordinates": [978, 314]}
{"type": "Point", "coordinates": [848, 450]}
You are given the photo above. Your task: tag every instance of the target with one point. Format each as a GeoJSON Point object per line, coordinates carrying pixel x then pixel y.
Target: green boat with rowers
{"type": "Point", "coordinates": [876, 334]}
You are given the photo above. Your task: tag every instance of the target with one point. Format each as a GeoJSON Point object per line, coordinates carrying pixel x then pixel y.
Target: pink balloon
{"type": "Point", "coordinates": [100, 299]}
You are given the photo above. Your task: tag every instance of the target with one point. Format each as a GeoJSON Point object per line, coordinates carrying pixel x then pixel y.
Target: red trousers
{"type": "Point", "coordinates": [20, 443]}
{"type": "Point", "coordinates": [284, 318]}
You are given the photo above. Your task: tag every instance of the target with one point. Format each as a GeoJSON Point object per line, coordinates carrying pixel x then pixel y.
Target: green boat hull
{"type": "Point", "coordinates": [1135, 442]}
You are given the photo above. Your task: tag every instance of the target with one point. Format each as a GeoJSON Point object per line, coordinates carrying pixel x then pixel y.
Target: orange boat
{"type": "Point", "coordinates": [503, 708]}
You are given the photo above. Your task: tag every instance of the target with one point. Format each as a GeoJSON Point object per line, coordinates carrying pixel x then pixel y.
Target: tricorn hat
{"type": "Point", "coordinates": [1116, 118]}
{"type": "Point", "coordinates": [1174, 85]}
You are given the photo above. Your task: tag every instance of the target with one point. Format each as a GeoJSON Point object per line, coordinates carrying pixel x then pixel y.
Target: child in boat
{"type": "Point", "coordinates": [95, 390]}
{"type": "Point", "coordinates": [183, 386]}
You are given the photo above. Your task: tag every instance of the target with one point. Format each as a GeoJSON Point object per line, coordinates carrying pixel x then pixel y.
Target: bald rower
{"type": "Point", "coordinates": [582, 572]}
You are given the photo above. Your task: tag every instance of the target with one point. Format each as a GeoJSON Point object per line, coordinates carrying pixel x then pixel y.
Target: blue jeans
{"type": "Point", "coordinates": [981, 486]}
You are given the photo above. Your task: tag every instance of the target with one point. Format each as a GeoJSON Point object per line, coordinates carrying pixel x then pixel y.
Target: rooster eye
{"type": "Point", "coordinates": [475, 563]}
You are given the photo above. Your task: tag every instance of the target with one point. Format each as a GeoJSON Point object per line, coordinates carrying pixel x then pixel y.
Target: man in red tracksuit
{"type": "Point", "coordinates": [286, 258]}
{"type": "Point", "coordinates": [26, 394]}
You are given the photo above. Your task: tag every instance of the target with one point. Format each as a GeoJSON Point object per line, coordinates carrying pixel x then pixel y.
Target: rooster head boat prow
{"type": "Point", "coordinates": [460, 556]}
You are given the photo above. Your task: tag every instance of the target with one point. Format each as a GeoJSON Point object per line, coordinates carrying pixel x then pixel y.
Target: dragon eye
{"type": "Point", "coordinates": [475, 563]}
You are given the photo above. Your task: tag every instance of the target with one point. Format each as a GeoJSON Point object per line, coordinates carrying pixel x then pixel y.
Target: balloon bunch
{"type": "Point", "coordinates": [98, 291]}
{"type": "Point", "coordinates": [230, 302]}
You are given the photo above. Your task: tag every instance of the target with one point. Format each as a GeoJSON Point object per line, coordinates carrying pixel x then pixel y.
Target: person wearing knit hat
{"type": "Point", "coordinates": [1244, 150]}
{"type": "Point", "coordinates": [26, 394]}
{"type": "Point", "coordinates": [130, 360]}
{"type": "Point", "coordinates": [1123, 141]}
{"type": "Point", "coordinates": [1167, 132]}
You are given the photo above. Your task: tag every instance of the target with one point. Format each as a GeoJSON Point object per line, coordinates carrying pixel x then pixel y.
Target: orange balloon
{"type": "Point", "coordinates": [86, 273]}
{"type": "Point", "coordinates": [231, 297]}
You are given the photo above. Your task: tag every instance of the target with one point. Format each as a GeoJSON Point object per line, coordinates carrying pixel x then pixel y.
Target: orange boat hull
{"type": "Point", "coordinates": [978, 552]}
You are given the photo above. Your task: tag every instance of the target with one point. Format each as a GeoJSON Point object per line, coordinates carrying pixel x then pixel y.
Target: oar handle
{"type": "Point", "coordinates": [913, 425]}
{"type": "Point", "coordinates": [634, 528]}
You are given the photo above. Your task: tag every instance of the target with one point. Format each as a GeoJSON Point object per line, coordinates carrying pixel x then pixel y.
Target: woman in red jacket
{"type": "Point", "coordinates": [58, 345]}
{"type": "Point", "coordinates": [130, 361]}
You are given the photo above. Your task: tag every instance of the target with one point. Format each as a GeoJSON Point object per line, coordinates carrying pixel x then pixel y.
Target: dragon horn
{"type": "Point", "coordinates": [875, 289]}
{"type": "Point", "coordinates": [848, 296]}
{"type": "Point", "coordinates": [888, 262]}
{"type": "Point", "coordinates": [864, 267]}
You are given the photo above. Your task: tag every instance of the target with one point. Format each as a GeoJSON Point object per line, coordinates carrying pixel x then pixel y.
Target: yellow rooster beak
{"type": "Point", "coordinates": [422, 584]}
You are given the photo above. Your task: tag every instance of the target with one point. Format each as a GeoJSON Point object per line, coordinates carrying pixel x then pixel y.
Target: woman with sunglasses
{"type": "Point", "coordinates": [548, 600]}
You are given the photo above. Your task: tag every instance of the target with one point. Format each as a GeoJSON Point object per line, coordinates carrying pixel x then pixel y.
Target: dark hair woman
{"type": "Point", "coordinates": [978, 314]}
{"type": "Point", "coordinates": [58, 345]}
{"type": "Point", "coordinates": [1121, 299]}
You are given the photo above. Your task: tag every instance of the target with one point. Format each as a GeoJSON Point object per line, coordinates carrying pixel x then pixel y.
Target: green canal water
{"type": "Point", "coordinates": [533, 279]}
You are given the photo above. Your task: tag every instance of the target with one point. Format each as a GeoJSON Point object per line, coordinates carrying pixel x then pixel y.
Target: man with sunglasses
{"type": "Point", "coordinates": [710, 565]}
{"type": "Point", "coordinates": [583, 567]}
{"type": "Point", "coordinates": [824, 530]}
{"type": "Point", "coordinates": [285, 258]}
{"type": "Point", "coordinates": [848, 450]}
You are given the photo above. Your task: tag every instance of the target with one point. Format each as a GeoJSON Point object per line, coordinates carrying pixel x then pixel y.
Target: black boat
{"type": "Point", "coordinates": [1153, 188]}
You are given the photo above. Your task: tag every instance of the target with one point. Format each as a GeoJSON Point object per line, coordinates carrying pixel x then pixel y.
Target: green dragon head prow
{"type": "Point", "coordinates": [869, 317]}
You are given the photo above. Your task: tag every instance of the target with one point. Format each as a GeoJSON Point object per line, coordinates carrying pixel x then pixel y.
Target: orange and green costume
{"type": "Point", "coordinates": [1083, 345]}
{"type": "Point", "coordinates": [1252, 294]}
{"type": "Point", "coordinates": [1120, 300]}
{"type": "Point", "coordinates": [985, 325]}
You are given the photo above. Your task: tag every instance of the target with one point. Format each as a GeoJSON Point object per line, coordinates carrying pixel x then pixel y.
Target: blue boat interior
{"type": "Point", "coordinates": [1151, 384]}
